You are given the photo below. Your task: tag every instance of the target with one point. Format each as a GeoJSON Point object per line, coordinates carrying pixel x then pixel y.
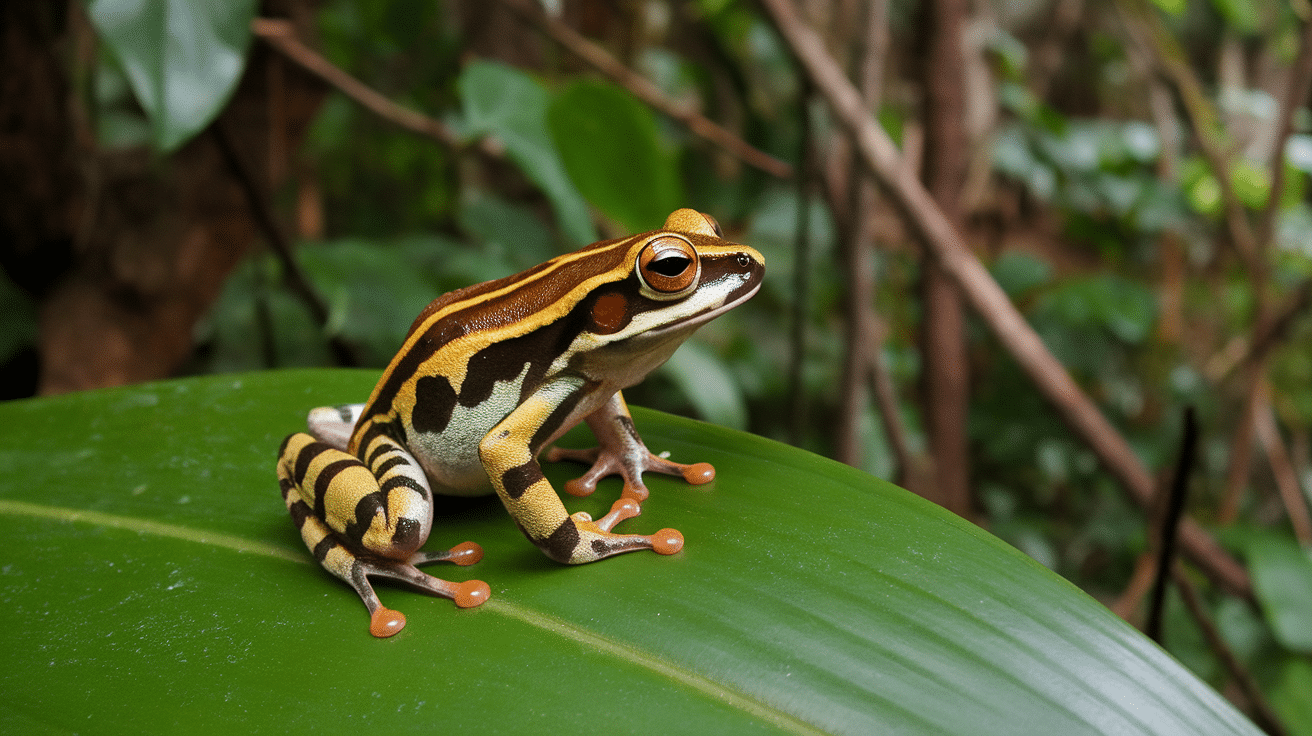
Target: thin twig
{"type": "Point", "coordinates": [1148, 32]}
{"type": "Point", "coordinates": [281, 35]}
{"type": "Point", "coordinates": [801, 305]}
{"type": "Point", "coordinates": [1263, 714]}
{"type": "Point", "coordinates": [853, 204]}
{"type": "Point", "coordinates": [1282, 468]}
{"type": "Point", "coordinates": [642, 88]}
{"type": "Point", "coordinates": [1170, 524]}
{"type": "Point", "coordinates": [265, 219]}
{"type": "Point", "coordinates": [928, 223]}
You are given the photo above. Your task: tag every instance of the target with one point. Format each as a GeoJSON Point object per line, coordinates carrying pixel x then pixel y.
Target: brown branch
{"type": "Point", "coordinates": [262, 213]}
{"type": "Point", "coordinates": [1285, 475]}
{"type": "Point", "coordinates": [1296, 91]}
{"type": "Point", "coordinates": [852, 200]}
{"type": "Point", "coordinates": [881, 156]}
{"type": "Point", "coordinates": [643, 88]}
{"type": "Point", "coordinates": [281, 35]}
{"type": "Point", "coordinates": [1151, 37]}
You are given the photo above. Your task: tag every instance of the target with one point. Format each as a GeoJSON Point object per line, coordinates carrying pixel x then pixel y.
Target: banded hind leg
{"type": "Point", "coordinates": [370, 518]}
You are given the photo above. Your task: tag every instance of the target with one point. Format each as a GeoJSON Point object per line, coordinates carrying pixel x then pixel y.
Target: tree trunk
{"type": "Point", "coordinates": [945, 374]}
{"type": "Point", "coordinates": [123, 252]}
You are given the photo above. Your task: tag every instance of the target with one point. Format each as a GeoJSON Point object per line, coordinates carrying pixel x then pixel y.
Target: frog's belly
{"type": "Point", "coordinates": [450, 457]}
{"type": "Point", "coordinates": [450, 460]}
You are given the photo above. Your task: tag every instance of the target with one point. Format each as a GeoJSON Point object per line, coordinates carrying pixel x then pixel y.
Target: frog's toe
{"type": "Point", "coordinates": [463, 554]}
{"type": "Point", "coordinates": [385, 622]}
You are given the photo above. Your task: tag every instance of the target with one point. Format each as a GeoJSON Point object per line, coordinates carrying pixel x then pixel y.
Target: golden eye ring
{"type": "Point", "coordinates": [668, 266]}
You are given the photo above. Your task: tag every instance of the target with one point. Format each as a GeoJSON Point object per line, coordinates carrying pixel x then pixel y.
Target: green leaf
{"type": "Point", "coordinates": [152, 583]}
{"type": "Point", "coordinates": [507, 103]}
{"type": "Point", "coordinates": [1282, 580]}
{"type": "Point", "coordinates": [1290, 698]}
{"type": "Point", "coordinates": [1017, 272]}
{"type": "Point", "coordinates": [183, 58]}
{"type": "Point", "coordinates": [612, 150]}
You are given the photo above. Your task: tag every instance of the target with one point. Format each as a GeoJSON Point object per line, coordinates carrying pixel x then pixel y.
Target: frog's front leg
{"type": "Point", "coordinates": [621, 451]}
{"type": "Point", "coordinates": [507, 453]}
{"type": "Point", "coordinates": [360, 520]}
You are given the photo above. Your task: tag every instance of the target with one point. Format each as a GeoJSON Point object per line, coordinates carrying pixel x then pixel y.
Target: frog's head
{"type": "Point", "coordinates": [667, 283]}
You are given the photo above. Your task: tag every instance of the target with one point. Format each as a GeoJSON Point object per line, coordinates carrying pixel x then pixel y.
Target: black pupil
{"type": "Point", "coordinates": [670, 265]}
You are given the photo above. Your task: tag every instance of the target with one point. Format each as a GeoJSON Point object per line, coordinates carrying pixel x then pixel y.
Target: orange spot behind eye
{"type": "Point", "coordinates": [385, 622]}
{"type": "Point", "coordinates": [667, 541]}
{"type": "Point", "coordinates": [610, 313]}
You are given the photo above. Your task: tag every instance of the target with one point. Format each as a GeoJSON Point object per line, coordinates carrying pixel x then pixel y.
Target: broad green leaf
{"type": "Point", "coordinates": [507, 103]}
{"type": "Point", "coordinates": [1282, 580]}
{"type": "Point", "coordinates": [612, 150]}
{"type": "Point", "coordinates": [183, 58]}
{"type": "Point", "coordinates": [152, 583]}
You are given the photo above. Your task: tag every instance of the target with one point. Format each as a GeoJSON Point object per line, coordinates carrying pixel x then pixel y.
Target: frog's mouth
{"type": "Point", "coordinates": [736, 297]}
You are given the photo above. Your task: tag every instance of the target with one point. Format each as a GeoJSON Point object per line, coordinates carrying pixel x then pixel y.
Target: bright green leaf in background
{"type": "Point", "coordinates": [612, 149]}
{"type": "Point", "coordinates": [183, 58]}
{"type": "Point", "coordinates": [504, 102]}
{"type": "Point", "coordinates": [152, 583]}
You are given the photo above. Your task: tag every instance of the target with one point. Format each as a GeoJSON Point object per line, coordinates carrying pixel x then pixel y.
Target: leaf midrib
{"type": "Point", "coordinates": [591, 639]}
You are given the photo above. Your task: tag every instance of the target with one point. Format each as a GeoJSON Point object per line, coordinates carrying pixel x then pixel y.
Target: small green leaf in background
{"type": "Point", "coordinates": [183, 58]}
{"type": "Point", "coordinates": [612, 150]}
{"type": "Point", "coordinates": [504, 102]}
{"type": "Point", "coordinates": [1282, 580]}
{"type": "Point", "coordinates": [153, 583]}
{"type": "Point", "coordinates": [1292, 696]}
{"type": "Point", "coordinates": [708, 385]}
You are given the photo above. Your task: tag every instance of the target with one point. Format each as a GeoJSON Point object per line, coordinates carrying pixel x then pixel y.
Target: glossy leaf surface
{"type": "Point", "coordinates": [153, 583]}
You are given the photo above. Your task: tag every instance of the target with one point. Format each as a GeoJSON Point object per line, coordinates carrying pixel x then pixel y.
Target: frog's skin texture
{"type": "Point", "coordinates": [488, 376]}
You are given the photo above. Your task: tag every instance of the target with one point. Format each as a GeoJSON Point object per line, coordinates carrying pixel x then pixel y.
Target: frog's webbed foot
{"type": "Point", "coordinates": [629, 464]}
{"type": "Point", "coordinates": [621, 452]}
{"type": "Point", "coordinates": [384, 621]}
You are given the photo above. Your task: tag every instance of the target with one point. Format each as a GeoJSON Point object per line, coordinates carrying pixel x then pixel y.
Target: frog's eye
{"type": "Point", "coordinates": [668, 267]}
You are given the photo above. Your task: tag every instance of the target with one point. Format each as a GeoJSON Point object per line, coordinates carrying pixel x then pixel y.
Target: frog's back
{"type": "Point", "coordinates": [497, 331]}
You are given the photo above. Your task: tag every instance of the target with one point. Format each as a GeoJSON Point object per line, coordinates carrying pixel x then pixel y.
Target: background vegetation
{"type": "Point", "coordinates": [196, 188]}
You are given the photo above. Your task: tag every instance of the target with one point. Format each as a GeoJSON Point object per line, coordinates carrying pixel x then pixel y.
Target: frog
{"type": "Point", "coordinates": [487, 378]}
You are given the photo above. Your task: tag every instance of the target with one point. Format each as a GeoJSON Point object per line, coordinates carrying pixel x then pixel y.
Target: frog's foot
{"type": "Point", "coordinates": [630, 463]}
{"type": "Point", "coordinates": [383, 621]}
{"type": "Point", "coordinates": [604, 544]}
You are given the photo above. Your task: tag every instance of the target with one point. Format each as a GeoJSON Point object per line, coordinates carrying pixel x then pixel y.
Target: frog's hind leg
{"type": "Point", "coordinates": [359, 521]}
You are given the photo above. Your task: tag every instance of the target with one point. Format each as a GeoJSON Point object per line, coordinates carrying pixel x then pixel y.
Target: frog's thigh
{"type": "Point", "coordinates": [383, 507]}
{"type": "Point", "coordinates": [334, 424]}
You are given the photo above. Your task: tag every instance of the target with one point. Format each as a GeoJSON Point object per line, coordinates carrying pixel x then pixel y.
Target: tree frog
{"type": "Point", "coordinates": [487, 377]}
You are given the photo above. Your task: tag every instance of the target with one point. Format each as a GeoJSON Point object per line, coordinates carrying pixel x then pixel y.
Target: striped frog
{"type": "Point", "coordinates": [487, 377]}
